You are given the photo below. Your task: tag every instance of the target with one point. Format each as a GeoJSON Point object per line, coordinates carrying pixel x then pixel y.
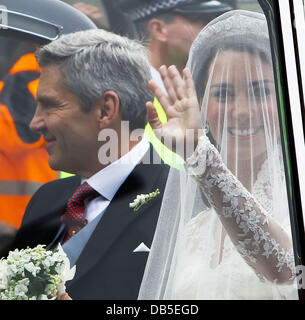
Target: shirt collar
{"type": "Point", "coordinates": [108, 180]}
{"type": "Point", "coordinates": [157, 78]}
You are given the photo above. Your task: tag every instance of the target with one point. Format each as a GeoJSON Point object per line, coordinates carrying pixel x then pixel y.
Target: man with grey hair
{"type": "Point", "coordinates": [91, 83]}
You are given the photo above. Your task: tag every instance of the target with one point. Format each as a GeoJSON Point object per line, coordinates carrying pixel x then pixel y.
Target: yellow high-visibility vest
{"type": "Point", "coordinates": [168, 156]}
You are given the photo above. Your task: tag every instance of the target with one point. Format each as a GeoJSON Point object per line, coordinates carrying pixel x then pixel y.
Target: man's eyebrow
{"type": "Point", "coordinates": [47, 100]}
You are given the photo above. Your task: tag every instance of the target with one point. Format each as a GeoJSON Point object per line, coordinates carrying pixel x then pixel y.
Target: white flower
{"type": "Point", "coordinates": [20, 290]}
{"type": "Point", "coordinates": [142, 199]}
{"type": "Point", "coordinates": [3, 275]}
{"type": "Point", "coordinates": [14, 256]}
{"type": "Point", "coordinates": [25, 259]}
{"type": "Point", "coordinates": [66, 273]}
{"type": "Point", "coordinates": [48, 262]}
{"type": "Point", "coordinates": [12, 268]}
{"type": "Point", "coordinates": [24, 282]}
{"type": "Point", "coordinates": [32, 268]}
{"type": "Point", "coordinates": [35, 256]}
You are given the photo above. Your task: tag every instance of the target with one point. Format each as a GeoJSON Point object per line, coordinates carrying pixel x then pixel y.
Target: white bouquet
{"type": "Point", "coordinates": [34, 274]}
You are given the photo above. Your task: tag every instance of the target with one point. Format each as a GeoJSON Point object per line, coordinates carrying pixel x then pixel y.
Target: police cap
{"type": "Point", "coordinates": [144, 9]}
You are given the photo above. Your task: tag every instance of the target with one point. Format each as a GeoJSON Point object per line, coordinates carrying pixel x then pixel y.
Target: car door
{"type": "Point", "coordinates": [287, 27]}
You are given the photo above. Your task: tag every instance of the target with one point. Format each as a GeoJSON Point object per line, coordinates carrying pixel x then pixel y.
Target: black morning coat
{"type": "Point", "coordinates": [107, 268]}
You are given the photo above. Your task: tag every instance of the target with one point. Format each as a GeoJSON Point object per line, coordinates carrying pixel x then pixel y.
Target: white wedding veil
{"type": "Point", "coordinates": [191, 256]}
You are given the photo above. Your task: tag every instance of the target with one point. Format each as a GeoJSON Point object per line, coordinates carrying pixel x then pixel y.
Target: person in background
{"type": "Point", "coordinates": [23, 159]}
{"type": "Point", "coordinates": [98, 14]}
{"type": "Point", "coordinates": [168, 28]}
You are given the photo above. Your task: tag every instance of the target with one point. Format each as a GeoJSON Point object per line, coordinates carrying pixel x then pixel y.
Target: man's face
{"type": "Point", "coordinates": [181, 34]}
{"type": "Point", "coordinates": [71, 134]}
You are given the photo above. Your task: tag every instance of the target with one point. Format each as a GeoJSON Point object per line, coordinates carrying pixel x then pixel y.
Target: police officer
{"type": "Point", "coordinates": [170, 27]}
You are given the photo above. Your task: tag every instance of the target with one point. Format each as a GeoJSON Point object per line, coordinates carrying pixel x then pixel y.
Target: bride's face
{"type": "Point", "coordinates": [241, 104]}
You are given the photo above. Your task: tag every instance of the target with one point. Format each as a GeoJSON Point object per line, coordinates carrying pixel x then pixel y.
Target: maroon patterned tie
{"type": "Point", "coordinates": [73, 217]}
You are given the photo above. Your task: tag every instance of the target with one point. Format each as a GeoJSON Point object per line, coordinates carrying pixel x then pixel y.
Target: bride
{"type": "Point", "coordinates": [224, 227]}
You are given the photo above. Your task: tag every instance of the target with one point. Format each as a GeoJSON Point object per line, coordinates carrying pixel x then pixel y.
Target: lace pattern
{"type": "Point", "coordinates": [257, 236]}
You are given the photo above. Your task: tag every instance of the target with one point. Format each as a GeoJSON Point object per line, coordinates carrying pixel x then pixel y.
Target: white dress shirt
{"type": "Point", "coordinates": [106, 182]}
{"type": "Point", "coordinates": [157, 78]}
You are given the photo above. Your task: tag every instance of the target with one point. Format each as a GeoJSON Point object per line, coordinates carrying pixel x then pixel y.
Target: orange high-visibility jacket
{"type": "Point", "coordinates": [23, 158]}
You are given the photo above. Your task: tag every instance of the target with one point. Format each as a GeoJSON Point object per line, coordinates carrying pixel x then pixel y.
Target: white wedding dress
{"type": "Point", "coordinates": [203, 261]}
{"type": "Point", "coordinates": [229, 269]}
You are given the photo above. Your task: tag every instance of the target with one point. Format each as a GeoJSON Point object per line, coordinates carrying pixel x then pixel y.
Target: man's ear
{"type": "Point", "coordinates": [157, 29]}
{"type": "Point", "coordinates": [108, 107]}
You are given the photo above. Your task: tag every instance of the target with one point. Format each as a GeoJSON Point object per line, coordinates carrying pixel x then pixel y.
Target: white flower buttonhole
{"type": "Point", "coordinates": [142, 199]}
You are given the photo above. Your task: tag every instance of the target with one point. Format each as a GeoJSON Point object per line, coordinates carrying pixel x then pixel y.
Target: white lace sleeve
{"type": "Point", "coordinates": [261, 241]}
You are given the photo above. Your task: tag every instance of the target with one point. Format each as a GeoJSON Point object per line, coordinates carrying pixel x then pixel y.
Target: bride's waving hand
{"type": "Point", "coordinates": [181, 107]}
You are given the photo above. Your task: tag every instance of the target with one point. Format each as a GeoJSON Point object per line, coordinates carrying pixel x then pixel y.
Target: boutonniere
{"type": "Point", "coordinates": [142, 199]}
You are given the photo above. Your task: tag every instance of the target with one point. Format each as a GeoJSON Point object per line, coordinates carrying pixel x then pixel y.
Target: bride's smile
{"type": "Point", "coordinates": [241, 99]}
{"type": "Point", "coordinates": [244, 133]}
